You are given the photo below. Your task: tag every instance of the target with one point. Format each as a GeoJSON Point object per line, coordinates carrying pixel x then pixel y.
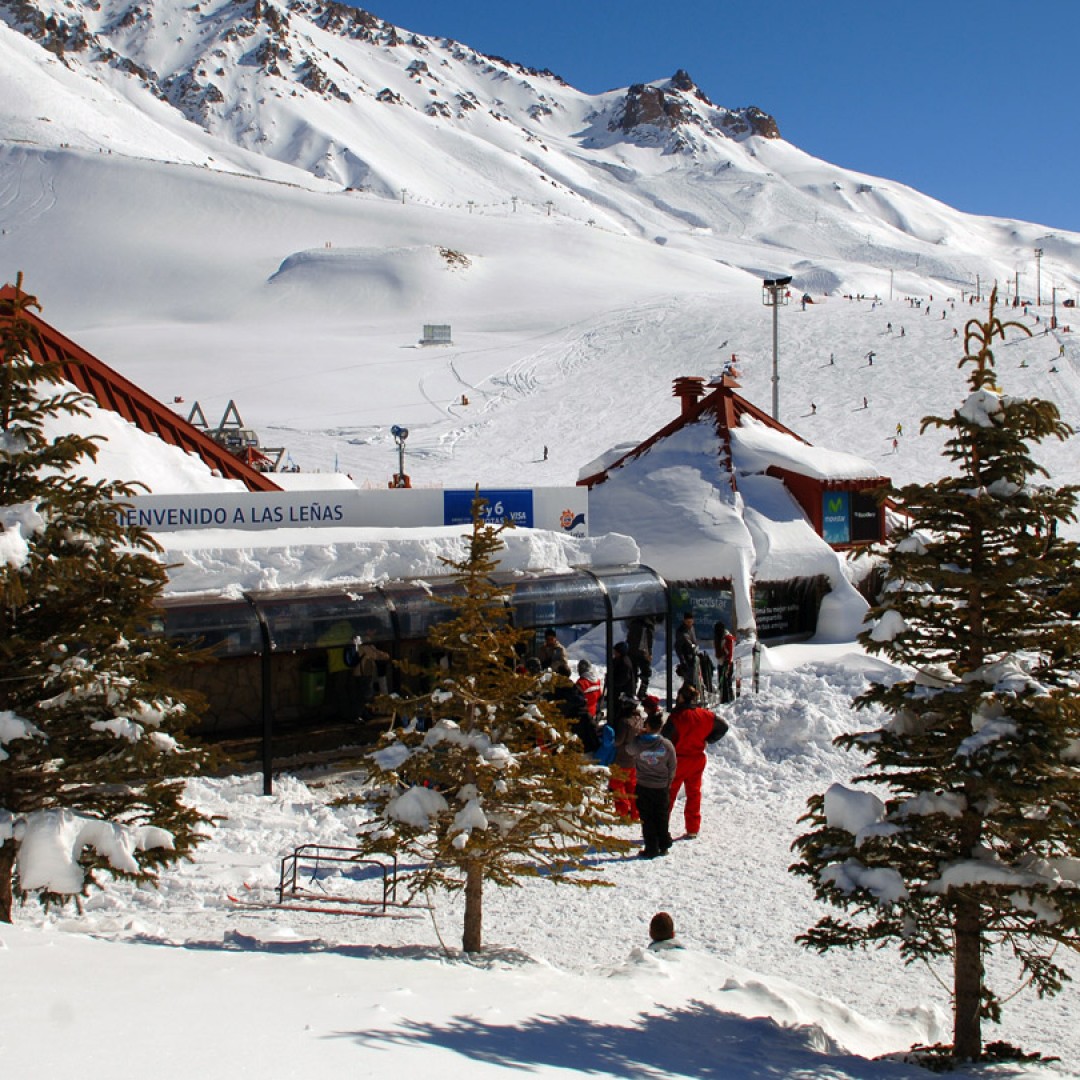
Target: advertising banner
{"type": "Point", "coordinates": [836, 517]}
{"type": "Point", "coordinates": [788, 610]}
{"type": "Point", "coordinates": [865, 518]}
{"type": "Point", "coordinates": [562, 509]}
{"type": "Point", "coordinates": [501, 504]}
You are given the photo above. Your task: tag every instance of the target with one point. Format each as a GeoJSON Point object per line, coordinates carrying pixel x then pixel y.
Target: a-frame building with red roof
{"type": "Point", "coordinates": [743, 517]}
{"type": "Point", "coordinates": [865, 518]}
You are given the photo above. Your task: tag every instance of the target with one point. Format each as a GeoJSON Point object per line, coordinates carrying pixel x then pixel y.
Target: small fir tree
{"type": "Point", "coordinates": [975, 844]}
{"type": "Point", "coordinates": [90, 737]}
{"type": "Point", "coordinates": [492, 786]}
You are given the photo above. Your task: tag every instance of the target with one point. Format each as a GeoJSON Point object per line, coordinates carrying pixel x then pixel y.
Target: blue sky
{"type": "Point", "coordinates": [974, 102]}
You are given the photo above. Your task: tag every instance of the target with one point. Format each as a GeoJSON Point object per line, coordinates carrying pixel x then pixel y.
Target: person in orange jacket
{"type": "Point", "coordinates": [691, 727]}
{"type": "Point", "coordinates": [590, 686]}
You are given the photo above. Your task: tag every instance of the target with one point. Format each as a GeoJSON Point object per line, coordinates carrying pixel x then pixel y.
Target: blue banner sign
{"type": "Point", "coordinates": [836, 517]}
{"type": "Point", "coordinates": [517, 505]}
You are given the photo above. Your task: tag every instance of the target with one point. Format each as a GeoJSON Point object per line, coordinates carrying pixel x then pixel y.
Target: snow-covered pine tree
{"type": "Point", "coordinates": [492, 786]}
{"type": "Point", "coordinates": [90, 735]}
{"type": "Point", "coordinates": [975, 846]}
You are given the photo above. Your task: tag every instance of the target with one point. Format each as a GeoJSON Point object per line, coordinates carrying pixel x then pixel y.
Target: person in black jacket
{"type": "Point", "coordinates": [639, 640]}
{"type": "Point", "coordinates": [621, 672]}
{"type": "Point", "coordinates": [686, 650]}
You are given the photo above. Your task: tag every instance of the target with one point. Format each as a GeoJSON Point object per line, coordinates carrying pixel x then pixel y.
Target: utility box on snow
{"type": "Point", "coordinates": [436, 334]}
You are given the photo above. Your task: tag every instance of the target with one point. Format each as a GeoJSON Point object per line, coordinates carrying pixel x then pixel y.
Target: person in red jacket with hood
{"type": "Point", "coordinates": [690, 727]}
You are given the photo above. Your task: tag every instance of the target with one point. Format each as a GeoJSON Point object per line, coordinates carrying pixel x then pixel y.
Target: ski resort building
{"type": "Point", "coordinates": [777, 514]}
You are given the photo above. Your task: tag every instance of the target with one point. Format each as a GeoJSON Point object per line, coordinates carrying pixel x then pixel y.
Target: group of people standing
{"type": "Point", "coordinates": [663, 758]}
{"type": "Point", "coordinates": [654, 758]}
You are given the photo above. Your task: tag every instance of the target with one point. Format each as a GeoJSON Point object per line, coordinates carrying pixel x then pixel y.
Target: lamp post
{"type": "Point", "coordinates": [401, 479]}
{"type": "Point", "coordinates": [774, 294]}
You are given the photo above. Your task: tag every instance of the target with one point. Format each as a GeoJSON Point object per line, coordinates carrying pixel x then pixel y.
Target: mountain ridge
{"type": "Point", "coordinates": [222, 57]}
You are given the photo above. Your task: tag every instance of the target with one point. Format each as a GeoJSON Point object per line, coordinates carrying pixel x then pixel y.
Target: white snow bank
{"type": "Point", "coordinates": [289, 558]}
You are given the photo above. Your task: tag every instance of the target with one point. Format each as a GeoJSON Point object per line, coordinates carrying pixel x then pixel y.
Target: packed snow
{"type": "Point", "coordinates": [567, 982]}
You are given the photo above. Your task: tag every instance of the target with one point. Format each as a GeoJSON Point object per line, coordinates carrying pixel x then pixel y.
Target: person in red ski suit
{"type": "Point", "coordinates": [590, 686]}
{"type": "Point", "coordinates": [690, 727]}
{"type": "Point", "coordinates": [628, 725]}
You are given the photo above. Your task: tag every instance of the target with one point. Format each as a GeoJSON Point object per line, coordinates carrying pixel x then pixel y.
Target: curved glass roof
{"type": "Point", "coordinates": [311, 618]}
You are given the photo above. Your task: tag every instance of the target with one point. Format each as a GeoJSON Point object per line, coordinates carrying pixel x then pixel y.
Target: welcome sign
{"type": "Point", "coordinates": [562, 510]}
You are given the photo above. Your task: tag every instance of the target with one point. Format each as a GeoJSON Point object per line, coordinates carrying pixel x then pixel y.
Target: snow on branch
{"type": "Point", "coordinates": [51, 842]}
{"type": "Point", "coordinates": [14, 727]}
{"type": "Point", "coordinates": [883, 883]}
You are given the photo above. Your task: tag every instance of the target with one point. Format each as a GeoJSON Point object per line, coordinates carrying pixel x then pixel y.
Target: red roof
{"type": "Point", "coordinates": [727, 407]}
{"type": "Point", "coordinates": [112, 391]}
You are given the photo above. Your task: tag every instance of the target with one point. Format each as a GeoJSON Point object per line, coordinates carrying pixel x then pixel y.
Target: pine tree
{"type": "Point", "coordinates": [975, 844]}
{"type": "Point", "coordinates": [91, 746]}
{"type": "Point", "coordinates": [493, 786]}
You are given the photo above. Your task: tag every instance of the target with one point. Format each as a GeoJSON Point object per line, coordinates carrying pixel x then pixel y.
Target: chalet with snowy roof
{"type": "Point", "coordinates": [744, 514]}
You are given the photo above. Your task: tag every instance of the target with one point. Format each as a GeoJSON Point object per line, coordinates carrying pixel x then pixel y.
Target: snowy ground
{"type": "Point", "coordinates": [184, 978]}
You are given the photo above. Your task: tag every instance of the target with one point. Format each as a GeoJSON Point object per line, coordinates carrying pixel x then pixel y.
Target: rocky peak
{"type": "Point", "coordinates": [676, 105]}
{"type": "Point", "coordinates": [752, 121]}
{"type": "Point", "coordinates": [662, 107]}
{"type": "Point", "coordinates": [681, 81]}
{"type": "Point", "coordinates": [654, 106]}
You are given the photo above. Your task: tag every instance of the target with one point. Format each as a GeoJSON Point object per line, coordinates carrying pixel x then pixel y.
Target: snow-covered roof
{"type": "Point", "coordinates": [755, 447]}
{"type": "Point", "coordinates": [229, 562]}
{"type": "Point", "coordinates": [696, 498]}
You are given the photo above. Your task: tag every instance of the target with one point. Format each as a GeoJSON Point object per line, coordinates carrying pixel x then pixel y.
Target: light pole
{"type": "Point", "coordinates": [401, 479]}
{"type": "Point", "coordinates": [774, 294]}
{"type": "Point", "coordinates": [1038, 277]}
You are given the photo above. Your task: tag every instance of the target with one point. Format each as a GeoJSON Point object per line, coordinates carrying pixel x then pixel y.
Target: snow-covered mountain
{"type": "Point", "coordinates": [343, 97]}
{"type": "Point", "coordinates": [266, 201]}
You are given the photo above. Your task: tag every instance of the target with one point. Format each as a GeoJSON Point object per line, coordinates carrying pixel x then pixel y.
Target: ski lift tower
{"type": "Point", "coordinates": [401, 478]}
{"type": "Point", "coordinates": [774, 294]}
